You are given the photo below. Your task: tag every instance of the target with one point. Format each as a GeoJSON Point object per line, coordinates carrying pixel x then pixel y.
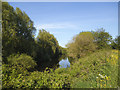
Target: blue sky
{"type": "Point", "coordinates": [66, 19]}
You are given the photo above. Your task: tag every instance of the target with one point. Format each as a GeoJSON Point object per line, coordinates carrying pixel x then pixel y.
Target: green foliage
{"type": "Point", "coordinates": [12, 76]}
{"type": "Point", "coordinates": [87, 42]}
{"type": "Point", "coordinates": [62, 51]}
{"type": "Point", "coordinates": [81, 45]}
{"type": "Point", "coordinates": [116, 43]}
{"type": "Point", "coordinates": [48, 80]}
{"type": "Point", "coordinates": [18, 37]}
{"type": "Point", "coordinates": [47, 40]}
{"type": "Point", "coordinates": [16, 70]}
{"type": "Point", "coordinates": [98, 70]}
{"type": "Point", "coordinates": [17, 31]}
{"type": "Point", "coordinates": [22, 60]}
{"type": "Point", "coordinates": [102, 38]}
{"type": "Point", "coordinates": [47, 50]}
{"type": "Point", "coordinates": [0, 43]}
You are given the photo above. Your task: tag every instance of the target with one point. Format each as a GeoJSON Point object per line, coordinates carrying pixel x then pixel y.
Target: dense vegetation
{"type": "Point", "coordinates": [81, 45]}
{"type": "Point", "coordinates": [18, 33]}
{"type": "Point", "coordinates": [99, 72]}
{"type": "Point", "coordinates": [87, 42]}
{"type": "Point", "coordinates": [32, 62]}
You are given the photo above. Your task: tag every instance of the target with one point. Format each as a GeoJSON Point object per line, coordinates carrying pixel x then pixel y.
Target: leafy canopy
{"type": "Point", "coordinates": [17, 31]}
{"type": "Point", "coordinates": [102, 38]}
{"type": "Point", "coordinates": [81, 45]}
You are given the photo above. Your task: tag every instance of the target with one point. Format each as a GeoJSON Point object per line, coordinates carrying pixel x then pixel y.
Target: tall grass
{"type": "Point", "coordinates": [99, 70]}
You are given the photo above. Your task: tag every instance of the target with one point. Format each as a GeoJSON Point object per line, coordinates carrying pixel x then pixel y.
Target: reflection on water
{"type": "Point", "coordinates": [64, 63]}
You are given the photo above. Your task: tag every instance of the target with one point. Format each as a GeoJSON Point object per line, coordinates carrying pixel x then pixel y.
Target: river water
{"type": "Point", "coordinates": [64, 63]}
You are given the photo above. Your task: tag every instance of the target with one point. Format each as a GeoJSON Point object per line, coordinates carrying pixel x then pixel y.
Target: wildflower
{"type": "Point", "coordinates": [106, 78]}
{"type": "Point", "coordinates": [101, 76]}
{"type": "Point", "coordinates": [112, 55]}
{"type": "Point", "coordinates": [105, 85]}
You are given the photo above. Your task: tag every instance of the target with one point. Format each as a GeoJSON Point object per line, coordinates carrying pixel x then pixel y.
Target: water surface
{"type": "Point", "coordinates": [64, 63]}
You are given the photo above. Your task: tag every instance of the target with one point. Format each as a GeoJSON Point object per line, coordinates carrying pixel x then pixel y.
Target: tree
{"type": "Point", "coordinates": [62, 51]}
{"type": "Point", "coordinates": [102, 38]}
{"type": "Point", "coordinates": [17, 31]}
{"type": "Point", "coordinates": [47, 48]}
{"type": "Point", "coordinates": [116, 43]}
{"type": "Point", "coordinates": [81, 45]}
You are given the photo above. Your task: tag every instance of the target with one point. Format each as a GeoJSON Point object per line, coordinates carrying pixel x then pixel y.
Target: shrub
{"type": "Point", "coordinates": [22, 60]}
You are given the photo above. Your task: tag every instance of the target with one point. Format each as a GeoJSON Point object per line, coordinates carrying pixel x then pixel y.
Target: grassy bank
{"type": "Point", "coordinates": [98, 70]}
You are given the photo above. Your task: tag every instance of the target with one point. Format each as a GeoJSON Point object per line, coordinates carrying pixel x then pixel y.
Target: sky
{"type": "Point", "coordinates": [66, 19]}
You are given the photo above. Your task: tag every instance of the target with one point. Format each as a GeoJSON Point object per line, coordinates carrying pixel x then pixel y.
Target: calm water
{"type": "Point", "coordinates": [64, 63]}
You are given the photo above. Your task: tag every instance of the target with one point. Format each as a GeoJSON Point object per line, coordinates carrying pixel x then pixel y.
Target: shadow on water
{"type": "Point", "coordinates": [60, 62]}
{"type": "Point", "coordinates": [51, 64]}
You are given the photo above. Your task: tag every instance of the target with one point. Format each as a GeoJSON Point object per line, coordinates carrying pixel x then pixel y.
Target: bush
{"type": "Point", "coordinates": [22, 60]}
{"type": "Point", "coordinates": [16, 70]}
{"type": "Point", "coordinates": [48, 80]}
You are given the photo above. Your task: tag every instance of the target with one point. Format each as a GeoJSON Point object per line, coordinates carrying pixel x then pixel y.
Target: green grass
{"type": "Point", "coordinates": [100, 63]}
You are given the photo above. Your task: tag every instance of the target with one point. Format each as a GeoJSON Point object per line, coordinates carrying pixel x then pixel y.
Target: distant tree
{"type": "Point", "coordinates": [116, 43]}
{"type": "Point", "coordinates": [81, 45]}
{"type": "Point", "coordinates": [62, 51]}
{"type": "Point", "coordinates": [102, 38]}
{"type": "Point", "coordinates": [17, 31]}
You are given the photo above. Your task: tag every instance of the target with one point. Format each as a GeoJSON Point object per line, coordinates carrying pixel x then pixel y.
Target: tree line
{"type": "Point", "coordinates": [90, 41]}
{"type": "Point", "coordinates": [18, 37]}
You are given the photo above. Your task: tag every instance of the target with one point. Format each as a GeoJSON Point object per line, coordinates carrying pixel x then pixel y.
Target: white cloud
{"type": "Point", "coordinates": [55, 26]}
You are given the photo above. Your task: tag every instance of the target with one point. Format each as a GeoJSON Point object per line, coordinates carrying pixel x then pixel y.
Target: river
{"type": "Point", "coordinates": [64, 63]}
